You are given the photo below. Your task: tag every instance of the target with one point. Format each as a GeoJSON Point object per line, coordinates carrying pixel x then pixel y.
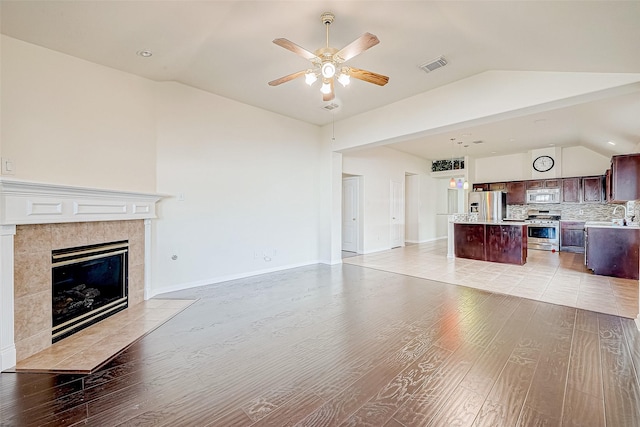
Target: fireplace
{"type": "Point", "coordinates": [89, 284]}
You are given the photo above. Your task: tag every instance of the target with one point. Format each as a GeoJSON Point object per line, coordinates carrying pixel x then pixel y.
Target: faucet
{"type": "Point", "coordinates": [624, 218]}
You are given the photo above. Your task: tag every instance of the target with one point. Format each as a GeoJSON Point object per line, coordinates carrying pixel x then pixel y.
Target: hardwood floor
{"type": "Point", "coordinates": [348, 345]}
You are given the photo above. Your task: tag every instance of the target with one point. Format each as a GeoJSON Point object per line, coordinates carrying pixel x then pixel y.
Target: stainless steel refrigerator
{"type": "Point", "coordinates": [491, 206]}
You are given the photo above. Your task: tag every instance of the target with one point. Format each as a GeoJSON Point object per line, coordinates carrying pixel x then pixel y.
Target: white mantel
{"type": "Point", "coordinates": [26, 202]}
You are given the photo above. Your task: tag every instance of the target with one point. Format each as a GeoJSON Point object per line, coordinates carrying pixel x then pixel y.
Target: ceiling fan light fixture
{"type": "Point", "coordinates": [310, 77]}
{"type": "Point", "coordinates": [344, 78]}
{"type": "Point", "coordinates": [328, 70]}
{"type": "Point", "coordinates": [326, 88]}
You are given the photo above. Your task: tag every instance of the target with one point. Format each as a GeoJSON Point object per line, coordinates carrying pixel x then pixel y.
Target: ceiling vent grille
{"type": "Point", "coordinates": [434, 64]}
{"type": "Point", "coordinates": [330, 107]}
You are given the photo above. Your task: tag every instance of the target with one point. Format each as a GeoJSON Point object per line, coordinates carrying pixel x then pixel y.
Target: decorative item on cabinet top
{"type": "Point", "coordinates": [447, 165]}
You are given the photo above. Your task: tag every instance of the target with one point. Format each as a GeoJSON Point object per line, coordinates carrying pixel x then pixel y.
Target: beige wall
{"type": "Point", "coordinates": [69, 121]}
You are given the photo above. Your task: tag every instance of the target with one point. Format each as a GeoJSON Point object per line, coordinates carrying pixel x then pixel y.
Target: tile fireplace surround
{"type": "Point", "coordinates": [36, 218]}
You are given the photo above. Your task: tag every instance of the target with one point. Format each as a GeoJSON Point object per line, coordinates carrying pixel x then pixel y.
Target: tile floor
{"type": "Point", "coordinates": [85, 351]}
{"type": "Point", "coordinates": [559, 278]}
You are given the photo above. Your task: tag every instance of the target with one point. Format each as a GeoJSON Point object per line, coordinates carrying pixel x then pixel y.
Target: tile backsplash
{"type": "Point", "coordinates": [578, 211]}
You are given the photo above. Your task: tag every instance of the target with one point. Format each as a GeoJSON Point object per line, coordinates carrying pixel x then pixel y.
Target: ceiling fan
{"type": "Point", "coordinates": [327, 62]}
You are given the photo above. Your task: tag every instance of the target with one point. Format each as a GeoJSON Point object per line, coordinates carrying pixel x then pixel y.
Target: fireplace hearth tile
{"type": "Point", "coordinates": [87, 350]}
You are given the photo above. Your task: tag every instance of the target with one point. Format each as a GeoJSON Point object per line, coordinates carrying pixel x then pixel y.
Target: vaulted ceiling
{"type": "Point", "coordinates": [225, 47]}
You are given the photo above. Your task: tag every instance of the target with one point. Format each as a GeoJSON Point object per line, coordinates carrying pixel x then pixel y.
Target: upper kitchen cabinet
{"type": "Point", "coordinates": [498, 186]}
{"type": "Point", "coordinates": [480, 187]}
{"type": "Point", "coordinates": [625, 178]}
{"type": "Point", "coordinates": [516, 193]}
{"type": "Point", "coordinates": [543, 183]}
{"type": "Point", "coordinates": [571, 190]}
{"type": "Point", "coordinates": [592, 189]}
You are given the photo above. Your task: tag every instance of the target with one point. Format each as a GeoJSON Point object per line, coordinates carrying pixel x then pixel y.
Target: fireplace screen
{"type": "Point", "coordinates": [89, 284]}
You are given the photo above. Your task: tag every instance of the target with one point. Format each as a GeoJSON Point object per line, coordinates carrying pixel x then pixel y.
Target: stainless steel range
{"type": "Point", "coordinates": [543, 230]}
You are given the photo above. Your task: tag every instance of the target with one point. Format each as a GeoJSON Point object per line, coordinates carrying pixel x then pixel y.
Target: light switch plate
{"type": "Point", "coordinates": [8, 166]}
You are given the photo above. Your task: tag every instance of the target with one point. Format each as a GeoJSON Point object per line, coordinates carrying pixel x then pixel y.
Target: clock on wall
{"type": "Point", "coordinates": [543, 163]}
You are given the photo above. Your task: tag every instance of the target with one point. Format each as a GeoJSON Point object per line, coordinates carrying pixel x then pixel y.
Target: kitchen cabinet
{"type": "Point", "coordinates": [516, 193]}
{"type": "Point", "coordinates": [502, 243]}
{"type": "Point", "coordinates": [607, 186]}
{"type": "Point", "coordinates": [543, 183]}
{"type": "Point", "coordinates": [469, 240]}
{"type": "Point", "coordinates": [625, 178]}
{"type": "Point", "coordinates": [572, 236]}
{"type": "Point", "coordinates": [498, 186]}
{"type": "Point", "coordinates": [506, 244]}
{"type": "Point", "coordinates": [571, 190]}
{"type": "Point", "coordinates": [592, 189]}
{"type": "Point", "coordinates": [613, 251]}
{"type": "Point", "coordinates": [480, 187]}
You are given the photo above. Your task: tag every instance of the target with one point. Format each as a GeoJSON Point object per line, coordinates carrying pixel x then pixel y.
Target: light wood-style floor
{"type": "Point", "coordinates": [349, 345]}
{"type": "Point", "coordinates": [559, 278]}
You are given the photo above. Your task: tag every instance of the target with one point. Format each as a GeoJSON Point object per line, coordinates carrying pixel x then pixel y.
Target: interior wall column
{"type": "Point", "coordinates": [7, 343]}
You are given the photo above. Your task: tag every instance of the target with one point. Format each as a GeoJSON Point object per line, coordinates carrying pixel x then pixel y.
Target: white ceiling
{"type": "Point", "coordinates": [225, 47]}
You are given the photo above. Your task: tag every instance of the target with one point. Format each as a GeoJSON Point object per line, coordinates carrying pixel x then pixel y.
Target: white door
{"type": "Point", "coordinates": [350, 214]}
{"type": "Point", "coordinates": [397, 214]}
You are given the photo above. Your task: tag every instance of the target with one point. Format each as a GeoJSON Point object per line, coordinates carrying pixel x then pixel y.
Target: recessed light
{"type": "Point", "coordinates": [145, 53]}
{"type": "Point", "coordinates": [477, 142]}
{"type": "Point", "coordinates": [539, 121]}
{"type": "Point", "coordinates": [611, 143]}
{"type": "Point", "coordinates": [551, 144]}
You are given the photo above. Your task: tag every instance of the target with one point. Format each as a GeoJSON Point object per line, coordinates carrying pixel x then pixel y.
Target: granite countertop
{"type": "Point", "coordinates": [610, 224]}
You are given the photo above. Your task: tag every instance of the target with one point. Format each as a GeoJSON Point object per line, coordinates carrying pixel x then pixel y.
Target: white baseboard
{"type": "Point", "coordinates": [220, 279]}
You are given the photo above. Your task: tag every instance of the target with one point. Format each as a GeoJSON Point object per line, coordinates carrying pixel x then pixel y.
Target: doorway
{"type": "Point", "coordinates": [350, 214]}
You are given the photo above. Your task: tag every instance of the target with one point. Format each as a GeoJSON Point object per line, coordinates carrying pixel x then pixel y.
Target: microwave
{"type": "Point", "coordinates": [543, 195]}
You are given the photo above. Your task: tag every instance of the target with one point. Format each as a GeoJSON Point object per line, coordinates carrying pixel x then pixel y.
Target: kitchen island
{"type": "Point", "coordinates": [503, 242]}
{"type": "Point", "coordinates": [612, 250]}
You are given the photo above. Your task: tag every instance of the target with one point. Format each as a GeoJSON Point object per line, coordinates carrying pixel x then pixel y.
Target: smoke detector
{"type": "Point", "coordinates": [434, 64]}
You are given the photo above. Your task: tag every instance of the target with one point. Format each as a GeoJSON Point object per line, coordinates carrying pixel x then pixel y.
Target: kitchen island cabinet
{"type": "Point", "coordinates": [613, 251]}
{"type": "Point", "coordinates": [572, 236]}
{"type": "Point", "coordinates": [496, 242]}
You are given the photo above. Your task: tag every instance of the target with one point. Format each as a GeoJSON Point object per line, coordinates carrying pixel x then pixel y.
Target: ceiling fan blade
{"type": "Point", "coordinates": [356, 47]}
{"type": "Point", "coordinates": [287, 78]}
{"type": "Point", "coordinates": [368, 76]}
{"type": "Point", "coordinates": [298, 50]}
{"type": "Point", "coordinates": [329, 96]}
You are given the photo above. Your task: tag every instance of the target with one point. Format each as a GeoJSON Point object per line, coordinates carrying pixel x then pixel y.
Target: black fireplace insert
{"type": "Point", "coordinates": [89, 284]}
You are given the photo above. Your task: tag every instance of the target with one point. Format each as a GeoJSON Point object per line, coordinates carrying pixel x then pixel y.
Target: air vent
{"type": "Point", "coordinates": [434, 64]}
{"type": "Point", "coordinates": [331, 106]}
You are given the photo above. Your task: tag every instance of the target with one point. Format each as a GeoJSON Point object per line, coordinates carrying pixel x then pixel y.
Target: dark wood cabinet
{"type": "Point", "coordinates": [571, 190]}
{"type": "Point", "coordinates": [491, 242]}
{"type": "Point", "coordinates": [498, 186]}
{"type": "Point", "coordinates": [607, 186]}
{"type": "Point", "coordinates": [506, 244]}
{"type": "Point", "coordinates": [480, 187]}
{"type": "Point", "coordinates": [516, 193]}
{"type": "Point", "coordinates": [613, 251]}
{"type": "Point", "coordinates": [572, 236]}
{"type": "Point", "coordinates": [625, 178]}
{"type": "Point", "coordinates": [592, 189]}
{"type": "Point", "coordinates": [543, 183]}
{"type": "Point", "coordinates": [469, 240]}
